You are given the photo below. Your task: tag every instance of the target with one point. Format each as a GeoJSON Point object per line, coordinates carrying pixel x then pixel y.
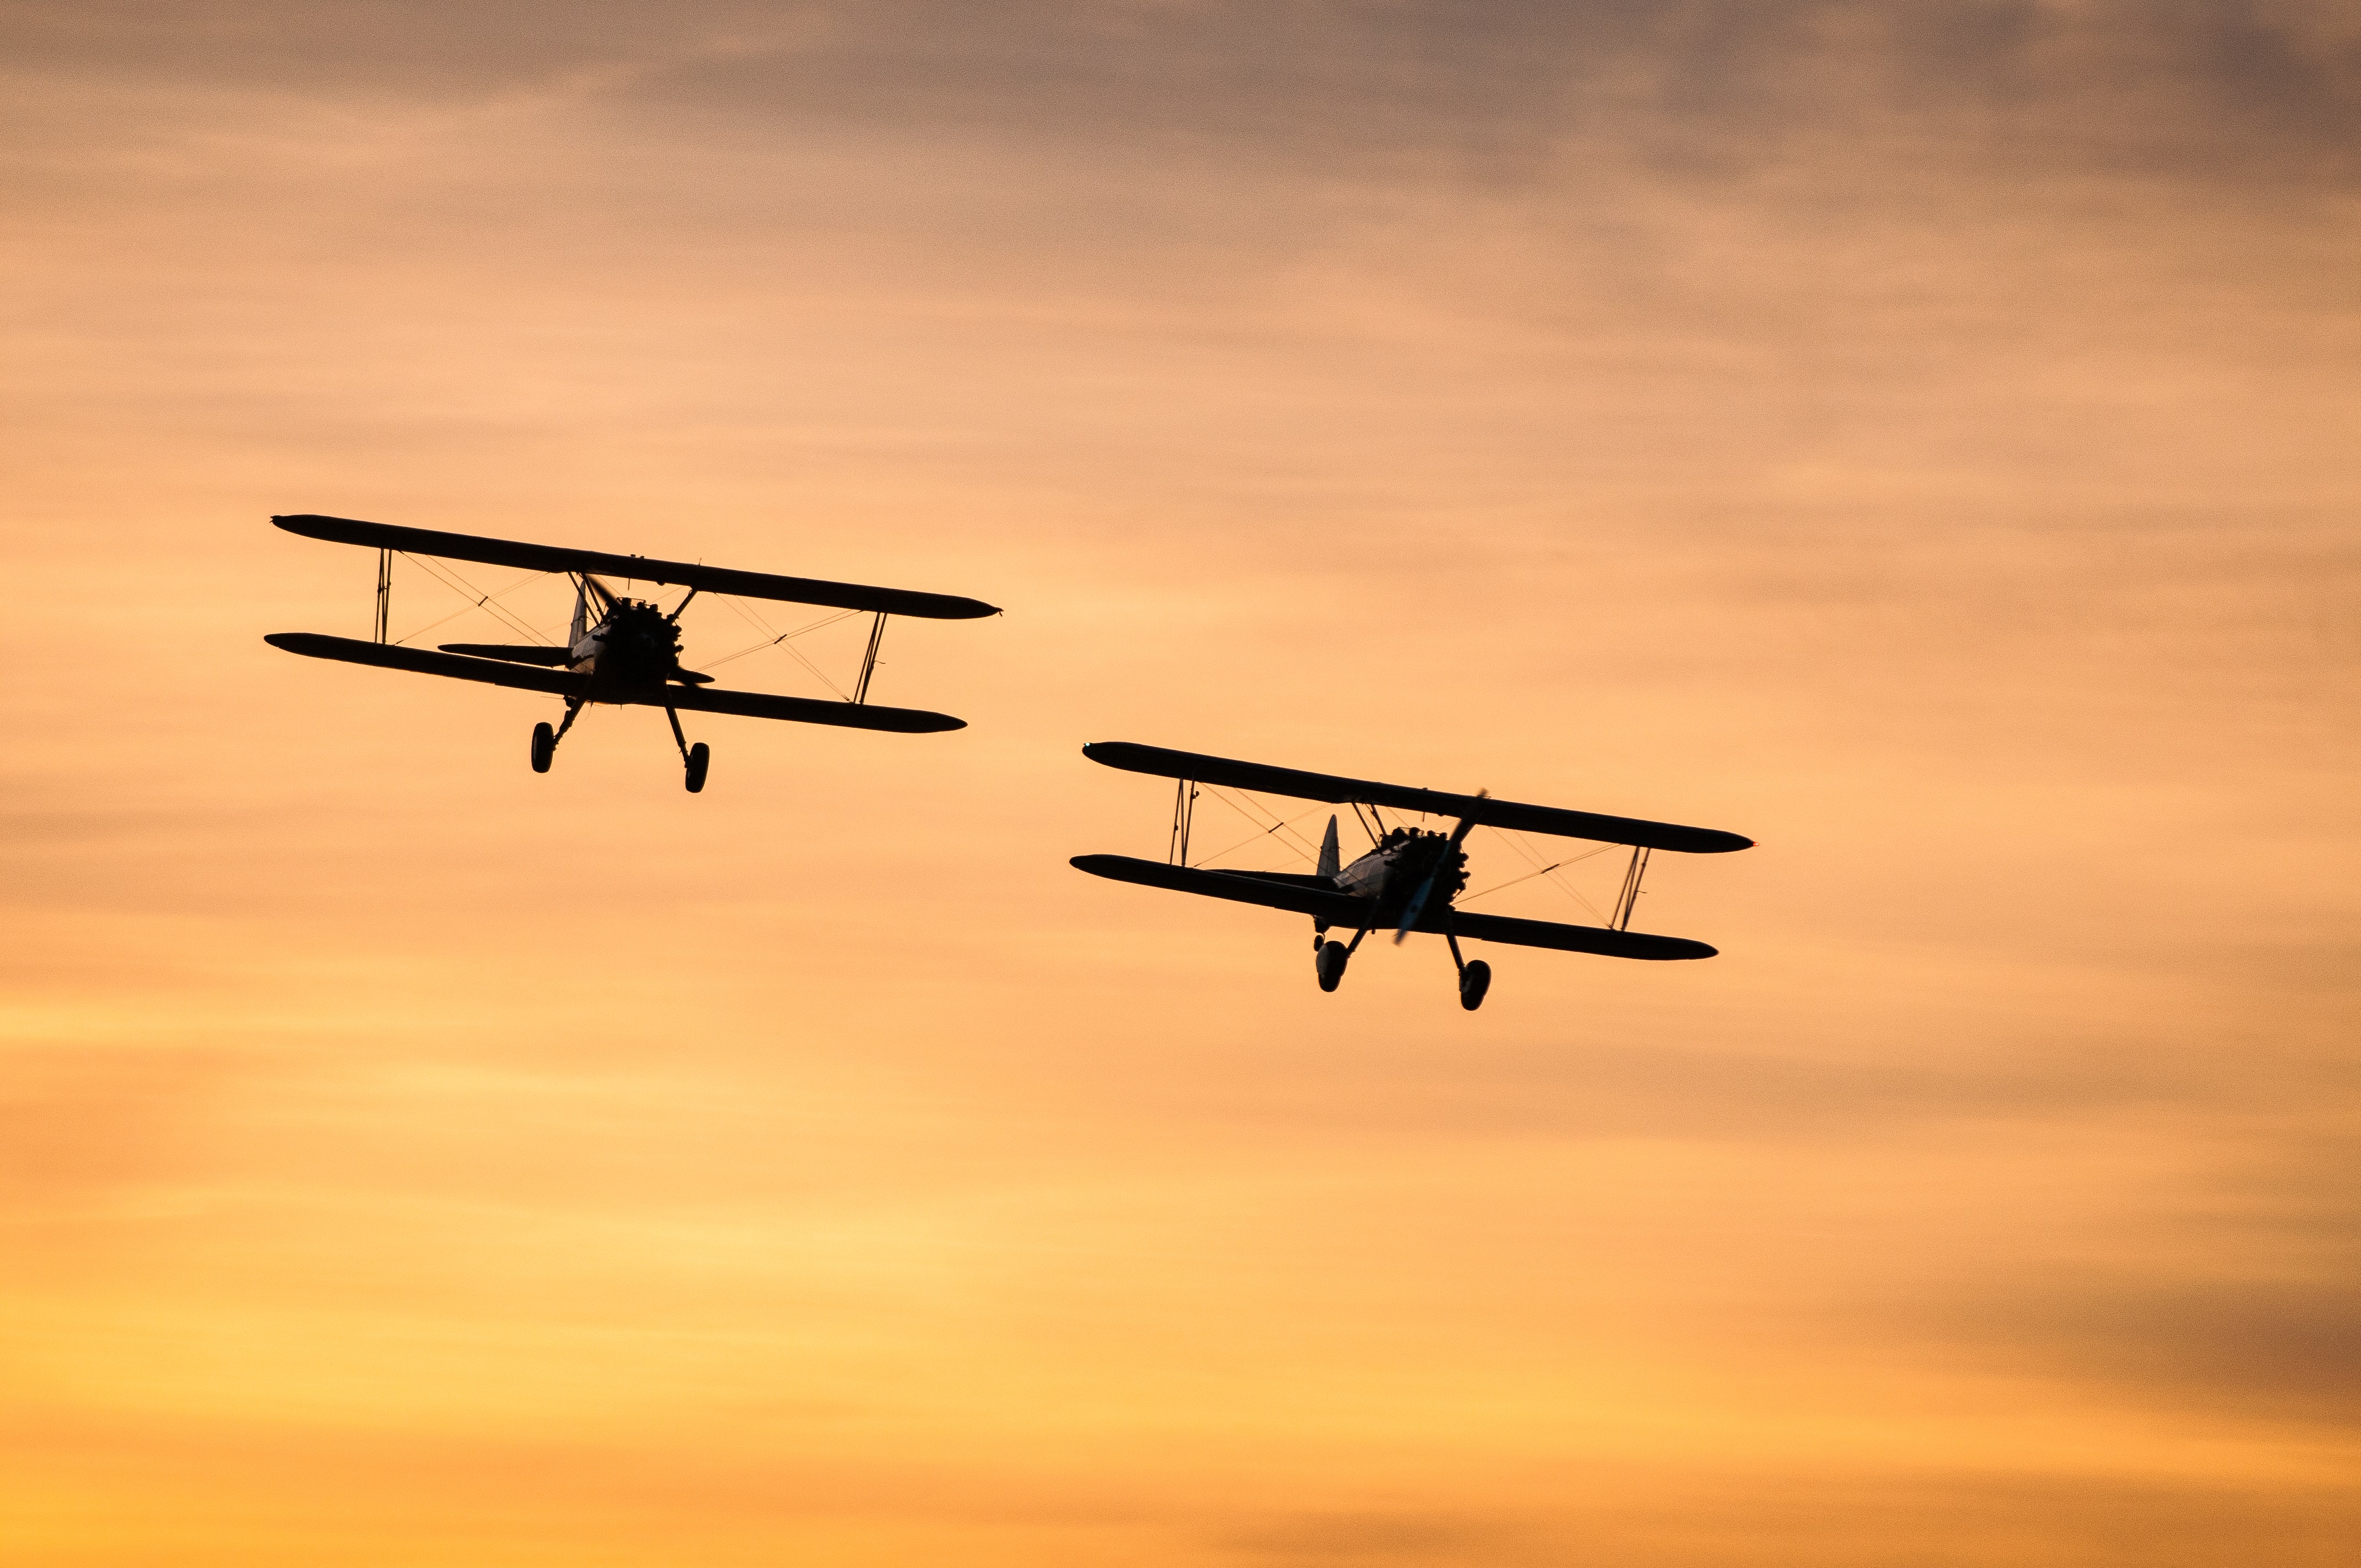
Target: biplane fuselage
{"type": "Point", "coordinates": [632, 651]}
{"type": "Point", "coordinates": [1391, 873]}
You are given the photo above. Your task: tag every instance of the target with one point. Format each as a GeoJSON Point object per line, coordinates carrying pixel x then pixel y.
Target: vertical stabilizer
{"type": "Point", "coordinates": [1329, 857]}
{"type": "Point", "coordinates": [581, 615]}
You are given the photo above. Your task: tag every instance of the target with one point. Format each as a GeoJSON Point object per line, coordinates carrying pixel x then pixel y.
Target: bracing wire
{"type": "Point", "coordinates": [773, 638]}
{"type": "Point", "coordinates": [1288, 826]}
{"type": "Point", "coordinates": [1517, 842]}
{"type": "Point", "coordinates": [781, 637]}
{"type": "Point", "coordinates": [1275, 826]}
{"type": "Point", "coordinates": [479, 599]}
{"type": "Point", "coordinates": [1544, 871]}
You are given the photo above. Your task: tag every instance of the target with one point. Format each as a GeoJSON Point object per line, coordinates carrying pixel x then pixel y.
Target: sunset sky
{"type": "Point", "coordinates": [1925, 439]}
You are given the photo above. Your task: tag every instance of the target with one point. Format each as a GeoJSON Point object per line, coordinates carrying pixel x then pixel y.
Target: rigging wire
{"type": "Point", "coordinates": [748, 614]}
{"type": "Point", "coordinates": [1277, 825]}
{"type": "Point", "coordinates": [477, 599]}
{"type": "Point", "coordinates": [482, 600]}
{"type": "Point", "coordinates": [1517, 842]}
{"type": "Point", "coordinates": [1544, 871]}
{"type": "Point", "coordinates": [774, 638]}
{"type": "Point", "coordinates": [1266, 833]}
{"type": "Point", "coordinates": [781, 637]}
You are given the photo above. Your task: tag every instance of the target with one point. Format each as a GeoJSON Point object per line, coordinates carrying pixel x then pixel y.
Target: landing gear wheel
{"type": "Point", "coordinates": [1329, 964]}
{"type": "Point", "coordinates": [545, 747]}
{"type": "Point", "coordinates": [700, 758]}
{"type": "Point", "coordinates": [1474, 981]}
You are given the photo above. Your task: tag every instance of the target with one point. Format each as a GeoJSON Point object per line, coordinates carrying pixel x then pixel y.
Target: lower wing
{"type": "Point", "coordinates": [1317, 898]}
{"type": "Point", "coordinates": [566, 684]}
{"type": "Point", "coordinates": [1602, 939]}
{"type": "Point", "coordinates": [804, 710]}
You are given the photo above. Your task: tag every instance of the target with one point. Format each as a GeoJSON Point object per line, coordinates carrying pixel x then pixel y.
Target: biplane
{"type": "Point", "coordinates": [620, 649]}
{"type": "Point", "coordinates": [1410, 876]}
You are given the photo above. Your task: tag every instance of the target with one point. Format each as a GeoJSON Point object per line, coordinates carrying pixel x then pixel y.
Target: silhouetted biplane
{"type": "Point", "coordinates": [1408, 878]}
{"type": "Point", "coordinates": [631, 653]}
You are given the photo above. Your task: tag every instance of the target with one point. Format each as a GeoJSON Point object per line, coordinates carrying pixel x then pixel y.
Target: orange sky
{"type": "Point", "coordinates": [1926, 442]}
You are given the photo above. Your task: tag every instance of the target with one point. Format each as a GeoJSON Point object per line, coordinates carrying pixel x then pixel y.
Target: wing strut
{"type": "Point", "coordinates": [384, 593]}
{"type": "Point", "coordinates": [868, 661]}
{"type": "Point", "coordinates": [1184, 813]}
{"type": "Point", "coordinates": [1628, 899]}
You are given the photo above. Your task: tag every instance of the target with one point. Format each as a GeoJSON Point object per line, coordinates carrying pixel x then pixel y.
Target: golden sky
{"type": "Point", "coordinates": [1927, 439]}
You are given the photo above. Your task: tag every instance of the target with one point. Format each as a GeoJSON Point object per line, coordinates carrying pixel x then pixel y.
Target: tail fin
{"type": "Point", "coordinates": [1330, 861]}
{"type": "Point", "coordinates": [581, 615]}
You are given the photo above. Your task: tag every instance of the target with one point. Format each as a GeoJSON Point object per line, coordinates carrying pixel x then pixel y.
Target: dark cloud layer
{"type": "Point", "coordinates": [2254, 91]}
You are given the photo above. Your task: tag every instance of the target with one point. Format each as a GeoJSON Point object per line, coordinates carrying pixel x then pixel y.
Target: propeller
{"type": "Point", "coordinates": [1417, 905]}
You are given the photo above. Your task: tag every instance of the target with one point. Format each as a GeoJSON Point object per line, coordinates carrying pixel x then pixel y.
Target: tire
{"type": "Point", "coordinates": [1329, 965]}
{"type": "Point", "coordinates": [699, 759]}
{"type": "Point", "coordinates": [545, 747]}
{"type": "Point", "coordinates": [1474, 981]}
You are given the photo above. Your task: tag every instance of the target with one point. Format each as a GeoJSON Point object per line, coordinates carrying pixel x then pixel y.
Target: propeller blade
{"type": "Point", "coordinates": [1417, 905]}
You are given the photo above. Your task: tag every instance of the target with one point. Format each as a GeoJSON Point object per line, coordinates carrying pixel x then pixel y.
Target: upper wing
{"type": "Point", "coordinates": [711, 579]}
{"type": "Point", "coordinates": [1603, 939]}
{"type": "Point", "coordinates": [387, 656]}
{"type": "Point", "coordinates": [1271, 889]}
{"type": "Point", "coordinates": [1491, 813]}
{"type": "Point", "coordinates": [565, 683]}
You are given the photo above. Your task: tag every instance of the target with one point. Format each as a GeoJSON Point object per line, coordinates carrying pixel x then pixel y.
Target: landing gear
{"type": "Point", "coordinates": [545, 739]}
{"type": "Point", "coordinates": [1475, 979]}
{"type": "Point", "coordinates": [696, 759]}
{"type": "Point", "coordinates": [1328, 957]}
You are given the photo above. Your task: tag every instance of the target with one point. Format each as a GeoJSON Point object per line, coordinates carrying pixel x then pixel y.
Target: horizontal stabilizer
{"type": "Point", "coordinates": [1302, 895]}
{"type": "Point", "coordinates": [1481, 809]}
{"type": "Point", "coordinates": [637, 568]}
{"type": "Point", "coordinates": [565, 683]}
{"type": "Point", "coordinates": [424, 662]}
{"type": "Point", "coordinates": [514, 652]}
{"type": "Point", "coordinates": [1271, 890]}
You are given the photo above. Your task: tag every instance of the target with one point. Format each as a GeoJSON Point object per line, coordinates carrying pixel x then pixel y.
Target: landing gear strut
{"type": "Point", "coordinates": [545, 739]}
{"type": "Point", "coordinates": [1328, 957]}
{"type": "Point", "coordinates": [696, 759]}
{"type": "Point", "coordinates": [1475, 979]}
